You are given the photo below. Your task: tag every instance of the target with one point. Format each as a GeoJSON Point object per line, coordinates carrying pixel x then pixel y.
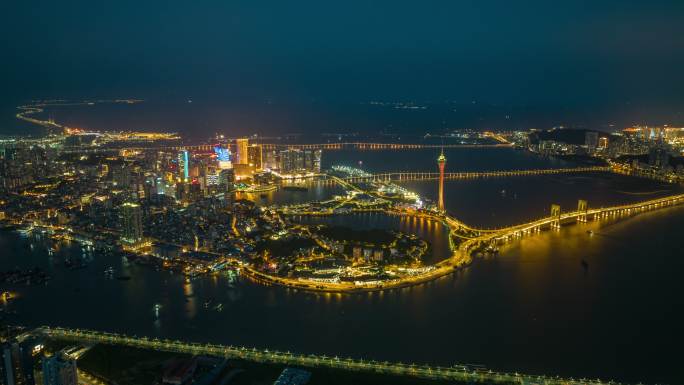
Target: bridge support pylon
{"type": "Point", "coordinates": [555, 216]}
{"type": "Point", "coordinates": [582, 207]}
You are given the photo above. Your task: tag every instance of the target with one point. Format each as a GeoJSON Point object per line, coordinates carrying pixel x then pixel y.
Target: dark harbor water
{"type": "Point", "coordinates": [498, 202]}
{"type": "Point", "coordinates": [530, 309]}
{"type": "Point", "coordinates": [425, 160]}
{"type": "Point", "coordinates": [307, 190]}
{"type": "Point", "coordinates": [198, 117]}
{"type": "Point", "coordinates": [432, 231]}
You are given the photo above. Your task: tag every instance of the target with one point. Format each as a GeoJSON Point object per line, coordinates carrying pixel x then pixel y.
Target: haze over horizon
{"type": "Point", "coordinates": [539, 64]}
{"type": "Point", "coordinates": [331, 193]}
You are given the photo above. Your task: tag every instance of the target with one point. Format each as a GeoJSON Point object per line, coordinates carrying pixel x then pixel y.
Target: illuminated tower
{"type": "Point", "coordinates": [183, 166]}
{"type": "Point", "coordinates": [242, 154]}
{"type": "Point", "coordinates": [441, 161]}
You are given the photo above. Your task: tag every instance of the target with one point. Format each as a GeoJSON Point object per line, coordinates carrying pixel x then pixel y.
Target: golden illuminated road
{"type": "Point", "coordinates": [462, 373]}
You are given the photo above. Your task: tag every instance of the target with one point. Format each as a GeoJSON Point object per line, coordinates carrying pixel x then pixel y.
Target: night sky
{"type": "Point", "coordinates": [564, 62]}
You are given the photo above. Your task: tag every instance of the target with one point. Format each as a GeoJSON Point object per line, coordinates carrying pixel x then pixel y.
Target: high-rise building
{"type": "Point", "coordinates": [59, 369]}
{"type": "Point", "coordinates": [223, 157]}
{"type": "Point", "coordinates": [182, 191]}
{"type": "Point", "coordinates": [183, 166]}
{"type": "Point", "coordinates": [17, 362]}
{"type": "Point", "coordinates": [270, 159]}
{"type": "Point", "coordinates": [254, 155]}
{"type": "Point", "coordinates": [287, 161]}
{"type": "Point", "coordinates": [195, 190]}
{"type": "Point", "coordinates": [227, 178]}
{"type": "Point", "coordinates": [242, 146]}
{"type": "Point", "coordinates": [658, 157]}
{"type": "Point", "coordinates": [211, 176]}
{"type": "Point", "coordinates": [316, 156]}
{"type": "Point", "coordinates": [591, 140]}
{"type": "Point", "coordinates": [441, 161]}
{"type": "Point", "coordinates": [121, 176]}
{"type": "Point", "coordinates": [295, 160]}
{"type": "Point", "coordinates": [132, 231]}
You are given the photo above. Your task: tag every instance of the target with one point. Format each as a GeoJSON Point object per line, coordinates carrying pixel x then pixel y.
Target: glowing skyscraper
{"type": "Point", "coordinates": [255, 155]}
{"type": "Point", "coordinates": [441, 161]}
{"type": "Point", "coordinates": [223, 157]}
{"type": "Point", "coordinates": [242, 150]}
{"type": "Point", "coordinates": [131, 227]}
{"type": "Point", "coordinates": [184, 166]}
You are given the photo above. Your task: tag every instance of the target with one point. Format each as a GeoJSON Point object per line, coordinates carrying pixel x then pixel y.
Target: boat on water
{"type": "Point", "coordinates": [24, 230]}
{"type": "Point", "coordinates": [156, 309]}
{"type": "Point", "coordinates": [492, 250]}
{"type": "Point", "coordinates": [585, 265]}
{"type": "Point", "coordinates": [109, 272]}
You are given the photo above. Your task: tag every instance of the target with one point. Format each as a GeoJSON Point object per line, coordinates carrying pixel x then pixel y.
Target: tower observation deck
{"type": "Point", "coordinates": [441, 161]}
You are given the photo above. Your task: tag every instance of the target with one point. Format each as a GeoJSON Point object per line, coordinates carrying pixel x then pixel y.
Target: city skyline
{"type": "Point", "coordinates": [313, 193]}
{"type": "Point", "coordinates": [535, 65]}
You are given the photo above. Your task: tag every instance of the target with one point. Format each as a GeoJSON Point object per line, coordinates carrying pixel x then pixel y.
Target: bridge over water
{"type": "Point", "coordinates": [471, 240]}
{"type": "Point", "coordinates": [407, 175]}
{"type": "Point", "coordinates": [462, 373]}
{"type": "Point", "coordinates": [280, 146]}
{"type": "Point", "coordinates": [558, 218]}
{"type": "Point", "coordinates": [377, 146]}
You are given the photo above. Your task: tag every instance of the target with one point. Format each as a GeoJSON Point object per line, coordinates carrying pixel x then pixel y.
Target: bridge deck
{"type": "Point", "coordinates": [462, 373]}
